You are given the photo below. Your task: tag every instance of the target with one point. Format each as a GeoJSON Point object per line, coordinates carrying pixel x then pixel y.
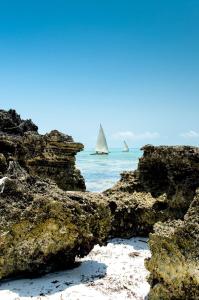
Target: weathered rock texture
{"type": "Point", "coordinates": [162, 188]}
{"type": "Point", "coordinates": [43, 228]}
{"type": "Point", "coordinates": [11, 123]}
{"type": "Point", "coordinates": [174, 265]}
{"type": "Point", "coordinates": [48, 156]}
{"type": "Point", "coordinates": [171, 170]}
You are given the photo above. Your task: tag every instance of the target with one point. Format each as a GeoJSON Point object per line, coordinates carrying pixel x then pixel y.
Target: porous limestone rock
{"type": "Point", "coordinates": [173, 170]}
{"type": "Point", "coordinates": [43, 228]}
{"type": "Point", "coordinates": [162, 188]}
{"type": "Point", "coordinates": [11, 123]}
{"type": "Point", "coordinates": [49, 156]}
{"type": "Point", "coordinates": [53, 156]}
{"type": "Point", "coordinates": [134, 214]}
{"type": "Point", "coordinates": [174, 265]}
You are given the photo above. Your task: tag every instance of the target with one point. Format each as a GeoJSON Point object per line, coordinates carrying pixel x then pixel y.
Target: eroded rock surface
{"type": "Point", "coordinates": [162, 191]}
{"type": "Point", "coordinates": [11, 123]}
{"type": "Point", "coordinates": [174, 265]}
{"type": "Point", "coordinates": [162, 188]}
{"type": "Point", "coordinates": [171, 170]}
{"type": "Point", "coordinates": [43, 228]}
{"type": "Point", "coordinates": [49, 156]}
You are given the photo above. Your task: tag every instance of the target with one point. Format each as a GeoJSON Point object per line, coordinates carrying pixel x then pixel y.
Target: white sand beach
{"type": "Point", "coordinates": [115, 271]}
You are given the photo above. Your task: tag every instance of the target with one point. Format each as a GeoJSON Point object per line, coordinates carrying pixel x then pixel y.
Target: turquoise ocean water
{"type": "Point", "coordinates": [102, 171]}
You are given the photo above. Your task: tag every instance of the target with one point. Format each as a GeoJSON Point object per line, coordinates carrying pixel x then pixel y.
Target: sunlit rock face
{"type": "Point", "coordinates": [47, 218]}
{"type": "Point", "coordinates": [162, 188]}
{"type": "Point", "coordinates": [53, 156]}
{"type": "Point", "coordinates": [174, 265]}
{"type": "Point", "coordinates": [43, 228]}
{"type": "Point", "coordinates": [48, 156]}
{"type": "Point", "coordinates": [44, 223]}
{"type": "Point", "coordinates": [161, 199]}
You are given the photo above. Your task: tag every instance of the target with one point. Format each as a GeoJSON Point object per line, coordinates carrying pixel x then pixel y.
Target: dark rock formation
{"type": "Point", "coordinates": [171, 170]}
{"type": "Point", "coordinates": [11, 123]}
{"type": "Point", "coordinates": [162, 188]}
{"type": "Point", "coordinates": [162, 191]}
{"type": "Point", "coordinates": [174, 265]}
{"type": "Point", "coordinates": [134, 214]}
{"type": "Point", "coordinates": [43, 228]}
{"type": "Point", "coordinates": [48, 156]}
{"type": "Point", "coordinates": [53, 156]}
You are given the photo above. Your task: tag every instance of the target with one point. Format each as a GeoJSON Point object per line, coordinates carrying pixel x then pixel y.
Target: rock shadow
{"type": "Point", "coordinates": [87, 271]}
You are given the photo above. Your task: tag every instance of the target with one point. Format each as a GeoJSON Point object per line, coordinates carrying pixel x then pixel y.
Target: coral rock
{"type": "Point", "coordinates": [48, 156]}
{"type": "Point", "coordinates": [162, 188]}
{"type": "Point", "coordinates": [11, 123]}
{"type": "Point", "coordinates": [43, 228]}
{"type": "Point", "coordinates": [174, 265]}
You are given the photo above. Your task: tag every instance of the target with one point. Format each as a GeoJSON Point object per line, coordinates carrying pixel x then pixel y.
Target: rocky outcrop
{"type": "Point", "coordinates": [134, 214]}
{"type": "Point", "coordinates": [53, 156]}
{"type": "Point", "coordinates": [174, 265]}
{"type": "Point", "coordinates": [161, 189]}
{"type": "Point", "coordinates": [11, 123]}
{"type": "Point", "coordinates": [173, 171]}
{"type": "Point", "coordinates": [160, 198]}
{"type": "Point", "coordinates": [48, 156]}
{"type": "Point", "coordinates": [43, 227]}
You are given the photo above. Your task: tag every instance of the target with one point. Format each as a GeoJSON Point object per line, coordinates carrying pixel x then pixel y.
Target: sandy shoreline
{"type": "Point", "coordinates": [115, 271]}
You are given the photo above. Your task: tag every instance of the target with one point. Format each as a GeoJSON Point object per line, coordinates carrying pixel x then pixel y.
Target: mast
{"type": "Point", "coordinates": [126, 148]}
{"type": "Point", "coordinates": [101, 146]}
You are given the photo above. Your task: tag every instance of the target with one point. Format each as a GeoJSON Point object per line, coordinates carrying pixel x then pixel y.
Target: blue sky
{"type": "Point", "coordinates": [131, 65]}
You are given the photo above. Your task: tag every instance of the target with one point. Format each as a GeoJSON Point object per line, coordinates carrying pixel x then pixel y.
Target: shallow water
{"type": "Point", "coordinates": [103, 171]}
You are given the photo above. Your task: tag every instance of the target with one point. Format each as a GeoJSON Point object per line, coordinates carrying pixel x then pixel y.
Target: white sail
{"type": "Point", "coordinates": [126, 148]}
{"type": "Point", "coordinates": [101, 146]}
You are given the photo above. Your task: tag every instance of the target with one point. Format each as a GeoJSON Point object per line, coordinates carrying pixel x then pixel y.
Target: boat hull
{"type": "Point", "coordinates": [99, 154]}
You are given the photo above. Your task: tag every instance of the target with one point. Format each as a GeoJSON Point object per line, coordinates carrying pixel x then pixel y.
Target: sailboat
{"type": "Point", "coordinates": [126, 148]}
{"type": "Point", "coordinates": [101, 145]}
